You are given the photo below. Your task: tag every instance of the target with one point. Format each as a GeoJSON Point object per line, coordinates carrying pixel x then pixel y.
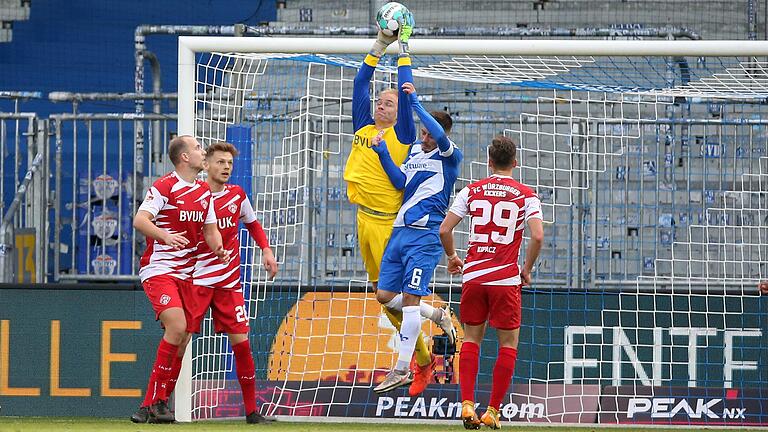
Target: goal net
{"type": "Point", "coordinates": [650, 162]}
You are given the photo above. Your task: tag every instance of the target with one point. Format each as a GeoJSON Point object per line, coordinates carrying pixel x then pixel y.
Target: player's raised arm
{"type": "Point", "coordinates": [395, 174]}
{"type": "Point", "coordinates": [447, 149]}
{"type": "Point", "coordinates": [361, 102]}
{"type": "Point", "coordinates": [405, 128]}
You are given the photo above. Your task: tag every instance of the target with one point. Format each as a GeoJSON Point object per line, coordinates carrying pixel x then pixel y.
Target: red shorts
{"type": "Point", "coordinates": [499, 305]}
{"type": "Point", "coordinates": [164, 292]}
{"type": "Point", "coordinates": [227, 308]}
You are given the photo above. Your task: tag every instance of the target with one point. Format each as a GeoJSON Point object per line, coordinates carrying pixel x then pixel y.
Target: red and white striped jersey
{"type": "Point", "coordinates": [230, 205]}
{"type": "Point", "coordinates": [498, 207]}
{"type": "Point", "coordinates": [177, 206]}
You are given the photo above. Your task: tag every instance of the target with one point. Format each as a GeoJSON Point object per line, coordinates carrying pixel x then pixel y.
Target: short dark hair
{"type": "Point", "coordinates": [221, 146]}
{"type": "Point", "coordinates": [444, 119]}
{"type": "Point", "coordinates": [502, 152]}
{"type": "Point", "coordinates": [176, 147]}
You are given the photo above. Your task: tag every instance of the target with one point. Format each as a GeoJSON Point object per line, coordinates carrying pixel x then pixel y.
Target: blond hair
{"type": "Point", "coordinates": [389, 90]}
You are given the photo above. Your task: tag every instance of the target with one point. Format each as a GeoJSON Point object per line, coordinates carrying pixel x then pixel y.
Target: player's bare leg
{"type": "Point", "coordinates": [442, 317]}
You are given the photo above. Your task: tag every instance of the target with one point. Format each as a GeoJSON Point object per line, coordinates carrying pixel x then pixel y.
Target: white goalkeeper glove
{"type": "Point", "coordinates": [381, 44]}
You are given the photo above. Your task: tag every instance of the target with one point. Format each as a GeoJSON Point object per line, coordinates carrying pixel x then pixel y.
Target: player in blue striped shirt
{"type": "Point", "coordinates": [427, 177]}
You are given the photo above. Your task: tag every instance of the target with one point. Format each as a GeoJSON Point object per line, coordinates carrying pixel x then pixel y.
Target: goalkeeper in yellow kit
{"type": "Point", "coordinates": [369, 187]}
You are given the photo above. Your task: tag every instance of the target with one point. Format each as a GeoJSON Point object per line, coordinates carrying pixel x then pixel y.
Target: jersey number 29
{"type": "Point", "coordinates": [503, 214]}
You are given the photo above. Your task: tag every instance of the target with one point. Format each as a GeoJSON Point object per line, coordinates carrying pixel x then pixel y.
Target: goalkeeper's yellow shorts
{"type": "Point", "coordinates": [373, 232]}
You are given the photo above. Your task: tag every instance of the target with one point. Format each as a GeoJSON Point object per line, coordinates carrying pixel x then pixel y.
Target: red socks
{"type": "Point", "coordinates": [469, 359]}
{"type": "Point", "coordinates": [175, 370]}
{"type": "Point", "coordinates": [246, 374]}
{"type": "Point", "coordinates": [502, 375]}
{"type": "Point", "coordinates": [161, 372]}
{"type": "Point", "coordinates": [165, 373]}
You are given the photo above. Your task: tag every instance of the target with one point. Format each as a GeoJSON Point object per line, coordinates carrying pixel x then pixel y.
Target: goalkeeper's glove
{"type": "Point", "coordinates": [406, 23]}
{"type": "Point", "coordinates": [381, 44]}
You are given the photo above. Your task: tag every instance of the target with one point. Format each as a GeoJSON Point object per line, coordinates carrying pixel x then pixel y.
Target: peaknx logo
{"type": "Point", "coordinates": [667, 408]}
{"type": "Point", "coordinates": [421, 407]}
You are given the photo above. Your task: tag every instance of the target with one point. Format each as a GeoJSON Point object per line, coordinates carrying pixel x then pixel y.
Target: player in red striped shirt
{"type": "Point", "coordinates": [217, 285]}
{"type": "Point", "coordinates": [499, 207]}
{"type": "Point", "coordinates": [176, 216]}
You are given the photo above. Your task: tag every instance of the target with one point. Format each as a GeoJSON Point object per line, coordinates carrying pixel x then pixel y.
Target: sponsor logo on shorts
{"type": "Point", "coordinates": [165, 299]}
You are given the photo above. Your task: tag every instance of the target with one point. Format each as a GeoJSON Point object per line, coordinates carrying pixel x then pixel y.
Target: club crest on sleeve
{"type": "Point", "coordinates": [165, 299]}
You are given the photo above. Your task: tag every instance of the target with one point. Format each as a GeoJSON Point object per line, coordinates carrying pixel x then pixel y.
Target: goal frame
{"type": "Point", "coordinates": [190, 46]}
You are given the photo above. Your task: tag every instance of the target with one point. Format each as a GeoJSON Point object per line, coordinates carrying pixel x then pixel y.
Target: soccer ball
{"type": "Point", "coordinates": [388, 15]}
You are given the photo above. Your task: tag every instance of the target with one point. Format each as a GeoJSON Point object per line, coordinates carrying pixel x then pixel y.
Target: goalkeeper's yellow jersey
{"type": "Point", "coordinates": [367, 183]}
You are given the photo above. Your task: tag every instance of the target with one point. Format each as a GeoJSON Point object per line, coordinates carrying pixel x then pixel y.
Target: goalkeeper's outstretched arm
{"type": "Point", "coordinates": [405, 128]}
{"type": "Point", "coordinates": [361, 102]}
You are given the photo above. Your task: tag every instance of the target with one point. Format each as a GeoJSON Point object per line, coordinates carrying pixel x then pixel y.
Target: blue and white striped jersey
{"type": "Point", "coordinates": [429, 182]}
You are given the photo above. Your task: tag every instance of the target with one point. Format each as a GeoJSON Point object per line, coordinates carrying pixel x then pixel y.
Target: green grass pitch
{"type": "Point", "coordinates": [13, 424]}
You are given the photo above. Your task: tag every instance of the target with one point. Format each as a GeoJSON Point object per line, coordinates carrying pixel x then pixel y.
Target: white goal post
{"type": "Point", "coordinates": [712, 272]}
